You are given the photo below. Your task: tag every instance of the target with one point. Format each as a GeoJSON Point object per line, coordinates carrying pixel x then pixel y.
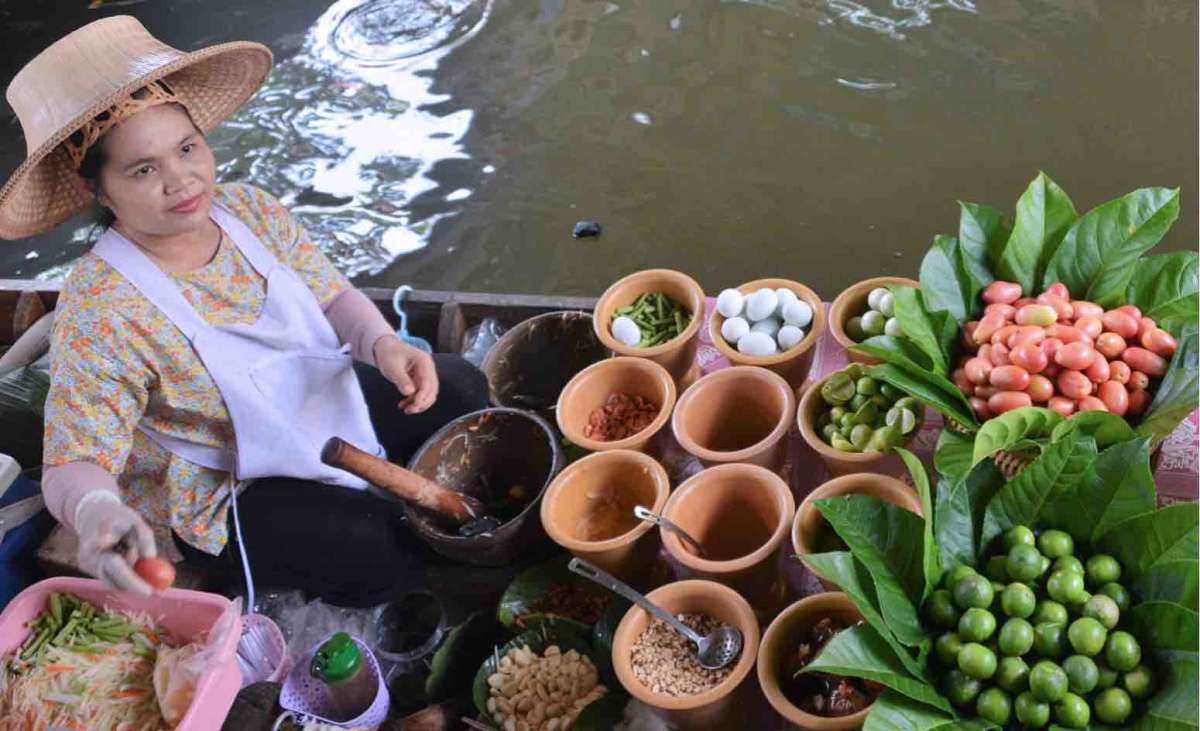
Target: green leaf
{"type": "Point", "coordinates": [894, 711]}
{"type": "Point", "coordinates": [1165, 286]}
{"type": "Point", "coordinates": [928, 390]}
{"type": "Point", "coordinates": [899, 351]}
{"type": "Point", "coordinates": [947, 280]}
{"type": "Point", "coordinates": [1044, 213]}
{"type": "Point", "coordinates": [886, 539]}
{"type": "Point", "coordinates": [982, 234]}
{"type": "Point", "coordinates": [923, 328]}
{"type": "Point", "coordinates": [961, 505]}
{"type": "Point", "coordinates": [1106, 428]}
{"type": "Point", "coordinates": [1151, 539]}
{"type": "Point", "coordinates": [1020, 502]}
{"type": "Point", "coordinates": [1173, 705]}
{"type": "Point", "coordinates": [840, 568]}
{"type": "Point", "coordinates": [602, 714]}
{"type": "Point", "coordinates": [952, 456]}
{"type": "Point", "coordinates": [450, 667]}
{"type": "Point", "coordinates": [517, 607]}
{"type": "Point", "coordinates": [1117, 486]}
{"type": "Point", "coordinates": [1169, 581]}
{"type": "Point", "coordinates": [1176, 397]}
{"type": "Point", "coordinates": [1165, 626]}
{"type": "Point", "coordinates": [1097, 256]}
{"type": "Point", "coordinates": [1010, 428]}
{"type": "Point", "coordinates": [930, 564]}
{"type": "Point", "coordinates": [860, 652]}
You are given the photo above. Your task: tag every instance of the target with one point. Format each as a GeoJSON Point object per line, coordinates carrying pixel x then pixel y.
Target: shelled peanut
{"type": "Point", "coordinates": [1069, 355]}
{"type": "Point", "coordinates": [547, 692]}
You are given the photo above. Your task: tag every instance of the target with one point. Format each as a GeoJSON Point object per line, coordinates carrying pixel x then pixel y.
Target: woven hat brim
{"type": "Point", "coordinates": [212, 83]}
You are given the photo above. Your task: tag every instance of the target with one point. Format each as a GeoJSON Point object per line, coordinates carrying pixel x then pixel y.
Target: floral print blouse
{"type": "Point", "coordinates": [117, 360]}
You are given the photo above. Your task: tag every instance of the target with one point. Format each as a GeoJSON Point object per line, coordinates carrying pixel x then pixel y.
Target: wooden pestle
{"type": "Point", "coordinates": [405, 484]}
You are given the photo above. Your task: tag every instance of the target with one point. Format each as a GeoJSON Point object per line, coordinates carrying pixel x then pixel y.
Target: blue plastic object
{"type": "Point", "coordinates": [18, 564]}
{"type": "Point", "coordinates": [402, 333]}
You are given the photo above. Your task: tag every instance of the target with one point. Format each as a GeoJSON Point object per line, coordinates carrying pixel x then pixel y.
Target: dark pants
{"type": "Point", "coordinates": [348, 547]}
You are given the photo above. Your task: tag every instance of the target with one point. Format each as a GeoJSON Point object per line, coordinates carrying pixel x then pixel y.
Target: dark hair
{"type": "Point", "coordinates": [89, 169]}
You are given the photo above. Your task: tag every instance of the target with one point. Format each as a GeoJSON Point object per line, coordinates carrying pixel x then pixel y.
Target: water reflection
{"type": "Point", "coordinates": [343, 131]}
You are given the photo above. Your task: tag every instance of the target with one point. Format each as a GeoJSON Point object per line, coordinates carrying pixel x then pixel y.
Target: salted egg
{"type": "Point", "coordinates": [730, 303]}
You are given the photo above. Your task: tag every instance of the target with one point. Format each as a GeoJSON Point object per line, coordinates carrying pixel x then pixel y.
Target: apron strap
{"type": "Point", "coordinates": [133, 264]}
{"type": "Point", "coordinates": [263, 261]}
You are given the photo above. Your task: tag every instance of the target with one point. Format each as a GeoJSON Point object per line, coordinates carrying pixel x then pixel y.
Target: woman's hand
{"type": "Point", "coordinates": [112, 537]}
{"type": "Point", "coordinates": [411, 369]}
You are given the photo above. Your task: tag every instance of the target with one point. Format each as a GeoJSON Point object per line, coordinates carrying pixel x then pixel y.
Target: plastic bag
{"type": "Point", "coordinates": [177, 670]}
{"type": "Point", "coordinates": [478, 340]}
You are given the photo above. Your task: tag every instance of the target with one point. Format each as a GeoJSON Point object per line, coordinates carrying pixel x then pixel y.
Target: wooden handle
{"type": "Point", "coordinates": [405, 484]}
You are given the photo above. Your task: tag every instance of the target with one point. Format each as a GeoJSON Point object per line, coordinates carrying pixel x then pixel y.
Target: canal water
{"type": "Point", "coordinates": [453, 144]}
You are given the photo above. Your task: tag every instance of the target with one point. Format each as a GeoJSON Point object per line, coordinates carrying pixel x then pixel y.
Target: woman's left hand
{"type": "Point", "coordinates": [411, 369]}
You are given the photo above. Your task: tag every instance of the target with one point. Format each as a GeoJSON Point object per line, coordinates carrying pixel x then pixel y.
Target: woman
{"type": "Point", "coordinates": [202, 351]}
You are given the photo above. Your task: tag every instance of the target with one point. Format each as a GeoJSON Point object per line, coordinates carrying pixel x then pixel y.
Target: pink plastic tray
{"type": "Point", "coordinates": [186, 615]}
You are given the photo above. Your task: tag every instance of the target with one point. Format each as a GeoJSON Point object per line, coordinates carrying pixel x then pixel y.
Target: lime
{"type": "Point", "coordinates": [956, 574]}
{"type": "Point", "coordinates": [1113, 706]}
{"type": "Point", "coordinates": [1018, 600]}
{"type": "Point", "coordinates": [1024, 562]}
{"type": "Point", "coordinates": [994, 705]}
{"type": "Point", "coordinates": [1067, 563]}
{"type": "Point", "coordinates": [1072, 711]}
{"type": "Point", "coordinates": [940, 610]}
{"type": "Point", "coordinates": [1087, 636]}
{"type": "Point", "coordinates": [1016, 637]}
{"type": "Point", "coordinates": [1123, 653]}
{"type": "Point", "coordinates": [857, 401]}
{"type": "Point", "coordinates": [1107, 677]}
{"type": "Point", "coordinates": [1065, 586]}
{"type": "Point", "coordinates": [1118, 594]}
{"type": "Point", "coordinates": [1043, 567]}
{"type": "Point", "coordinates": [1049, 611]}
{"type": "Point", "coordinates": [861, 435]}
{"type": "Point", "coordinates": [1012, 674]}
{"type": "Point", "coordinates": [1139, 682]}
{"type": "Point", "coordinates": [1018, 535]}
{"type": "Point", "coordinates": [890, 392]}
{"type": "Point", "coordinates": [1048, 681]}
{"type": "Point", "coordinates": [1050, 639]}
{"type": "Point", "coordinates": [1082, 674]}
{"type": "Point", "coordinates": [1032, 712]}
{"type": "Point", "coordinates": [961, 689]}
{"type": "Point", "coordinates": [977, 661]}
{"type": "Point", "coordinates": [1075, 607]}
{"type": "Point", "coordinates": [1055, 543]}
{"type": "Point", "coordinates": [1103, 569]}
{"type": "Point", "coordinates": [976, 625]}
{"type": "Point", "coordinates": [867, 386]}
{"type": "Point", "coordinates": [997, 568]}
{"type": "Point", "coordinates": [974, 591]}
{"type": "Point", "coordinates": [1103, 609]}
{"type": "Point", "coordinates": [947, 648]}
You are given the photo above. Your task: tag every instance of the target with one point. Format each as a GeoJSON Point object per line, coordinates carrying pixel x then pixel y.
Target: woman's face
{"type": "Point", "coordinates": [158, 173]}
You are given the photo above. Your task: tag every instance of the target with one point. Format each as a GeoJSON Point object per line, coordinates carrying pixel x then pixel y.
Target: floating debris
{"type": "Point", "coordinates": [586, 229]}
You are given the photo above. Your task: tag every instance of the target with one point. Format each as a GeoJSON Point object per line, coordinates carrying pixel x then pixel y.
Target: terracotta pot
{"type": "Point", "coordinates": [810, 524]}
{"type": "Point", "coordinates": [678, 355]}
{"type": "Point", "coordinates": [588, 391]}
{"type": "Point", "coordinates": [793, 364]}
{"type": "Point", "coordinates": [837, 461]}
{"type": "Point", "coordinates": [738, 414]}
{"type": "Point", "coordinates": [724, 706]}
{"type": "Point", "coordinates": [588, 510]}
{"type": "Point", "coordinates": [852, 302]}
{"type": "Point", "coordinates": [741, 515]}
{"type": "Point", "coordinates": [782, 637]}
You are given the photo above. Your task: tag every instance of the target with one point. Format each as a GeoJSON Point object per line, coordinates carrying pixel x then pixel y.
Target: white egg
{"type": "Point", "coordinates": [762, 304]}
{"type": "Point", "coordinates": [733, 329]}
{"type": "Point", "coordinates": [789, 336]}
{"type": "Point", "coordinates": [730, 303]}
{"type": "Point", "coordinates": [785, 296]}
{"type": "Point", "coordinates": [757, 344]}
{"type": "Point", "coordinates": [769, 326]}
{"type": "Point", "coordinates": [873, 297]}
{"type": "Point", "coordinates": [798, 313]}
{"type": "Point", "coordinates": [627, 331]}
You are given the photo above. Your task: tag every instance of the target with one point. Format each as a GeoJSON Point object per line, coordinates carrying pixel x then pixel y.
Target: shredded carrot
{"type": "Point", "coordinates": [131, 693]}
{"type": "Point", "coordinates": [59, 668]}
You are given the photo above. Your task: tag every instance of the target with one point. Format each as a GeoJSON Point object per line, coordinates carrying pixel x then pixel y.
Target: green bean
{"type": "Point", "coordinates": [56, 607]}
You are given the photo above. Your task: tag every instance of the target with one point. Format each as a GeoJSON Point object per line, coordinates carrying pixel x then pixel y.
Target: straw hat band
{"type": "Point", "coordinates": [90, 71]}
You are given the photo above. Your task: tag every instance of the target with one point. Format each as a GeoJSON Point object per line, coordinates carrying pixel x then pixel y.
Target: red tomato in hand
{"type": "Point", "coordinates": [156, 572]}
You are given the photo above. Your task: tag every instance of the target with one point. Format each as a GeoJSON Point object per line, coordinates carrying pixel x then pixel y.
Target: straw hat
{"type": "Point", "coordinates": [86, 73]}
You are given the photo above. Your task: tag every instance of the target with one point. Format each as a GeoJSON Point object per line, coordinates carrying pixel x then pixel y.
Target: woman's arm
{"type": "Point", "coordinates": [64, 487]}
{"type": "Point", "coordinates": [357, 321]}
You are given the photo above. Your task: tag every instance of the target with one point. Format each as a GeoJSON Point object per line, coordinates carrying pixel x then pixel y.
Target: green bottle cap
{"type": "Point", "coordinates": [337, 659]}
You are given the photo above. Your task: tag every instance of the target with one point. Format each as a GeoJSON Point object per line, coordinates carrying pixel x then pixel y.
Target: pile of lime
{"type": "Point", "coordinates": [863, 414]}
{"type": "Point", "coordinates": [1039, 636]}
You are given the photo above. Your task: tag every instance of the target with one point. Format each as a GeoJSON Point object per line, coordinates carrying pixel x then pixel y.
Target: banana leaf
{"type": "Point", "coordinates": [517, 609]}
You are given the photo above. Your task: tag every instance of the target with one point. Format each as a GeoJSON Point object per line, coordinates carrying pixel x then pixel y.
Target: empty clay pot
{"type": "Point", "coordinates": [589, 390]}
{"type": "Point", "coordinates": [810, 531]}
{"type": "Point", "coordinates": [740, 514]}
{"type": "Point", "coordinates": [588, 510]}
{"type": "Point", "coordinates": [852, 302]}
{"type": "Point", "coordinates": [794, 363]}
{"type": "Point", "coordinates": [782, 637]}
{"type": "Point", "coordinates": [722, 707]}
{"type": "Point", "coordinates": [529, 365]}
{"type": "Point", "coordinates": [678, 355]}
{"type": "Point", "coordinates": [738, 414]}
{"type": "Point", "coordinates": [837, 461]}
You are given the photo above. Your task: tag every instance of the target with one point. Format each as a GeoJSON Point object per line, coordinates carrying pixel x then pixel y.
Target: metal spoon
{"type": "Point", "coordinates": [662, 522]}
{"type": "Point", "coordinates": [716, 649]}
